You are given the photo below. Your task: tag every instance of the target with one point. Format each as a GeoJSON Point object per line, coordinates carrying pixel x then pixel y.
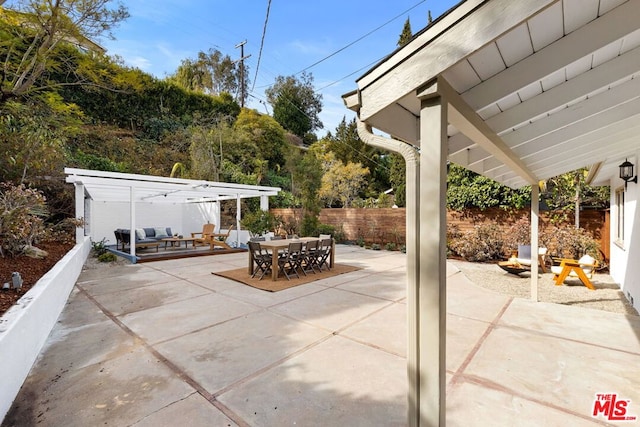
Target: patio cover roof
{"type": "Point", "coordinates": [534, 88]}
{"type": "Point", "coordinates": [119, 187]}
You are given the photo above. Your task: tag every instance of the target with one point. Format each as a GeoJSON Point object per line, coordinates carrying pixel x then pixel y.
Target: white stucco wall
{"type": "Point", "coordinates": [184, 219]}
{"type": "Point", "coordinates": [624, 267]}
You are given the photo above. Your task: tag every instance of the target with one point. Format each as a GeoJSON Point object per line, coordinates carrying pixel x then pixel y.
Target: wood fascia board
{"type": "Point", "coordinates": [469, 123]}
{"type": "Point", "coordinates": [407, 70]}
{"type": "Point", "coordinates": [611, 71]}
{"type": "Point", "coordinates": [600, 32]}
{"type": "Point", "coordinates": [427, 37]}
{"type": "Point", "coordinates": [352, 100]}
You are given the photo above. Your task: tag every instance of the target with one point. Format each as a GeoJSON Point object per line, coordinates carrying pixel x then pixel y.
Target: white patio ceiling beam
{"type": "Point", "coordinates": [389, 82]}
{"type": "Point", "coordinates": [603, 143]}
{"type": "Point", "coordinates": [469, 123]}
{"type": "Point", "coordinates": [136, 178]}
{"type": "Point", "coordinates": [564, 127]}
{"type": "Point", "coordinates": [557, 140]}
{"type": "Point", "coordinates": [606, 29]}
{"type": "Point", "coordinates": [619, 68]}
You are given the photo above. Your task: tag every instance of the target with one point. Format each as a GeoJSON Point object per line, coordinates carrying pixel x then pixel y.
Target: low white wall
{"type": "Point", "coordinates": [26, 326]}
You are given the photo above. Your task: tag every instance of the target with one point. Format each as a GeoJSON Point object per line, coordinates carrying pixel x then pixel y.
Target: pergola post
{"type": "Point", "coordinates": [80, 214]}
{"type": "Point", "coordinates": [427, 297]}
{"type": "Point", "coordinates": [264, 203]}
{"type": "Point", "coordinates": [535, 207]}
{"type": "Point", "coordinates": [132, 227]}
{"type": "Point", "coordinates": [238, 218]}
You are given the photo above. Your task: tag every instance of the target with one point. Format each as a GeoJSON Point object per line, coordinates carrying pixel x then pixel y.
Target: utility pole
{"type": "Point", "coordinates": [241, 60]}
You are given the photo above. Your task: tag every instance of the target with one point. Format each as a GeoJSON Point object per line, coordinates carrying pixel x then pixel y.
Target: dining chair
{"type": "Point", "coordinates": [261, 258]}
{"type": "Point", "coordinates": [291, 261]}
{"type": "Point", "coordinates": [324, 252]}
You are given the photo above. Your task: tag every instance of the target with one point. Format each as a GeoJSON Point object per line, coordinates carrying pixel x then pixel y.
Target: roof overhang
{"type": "Point", "coordinates": [122, 187]}
{"type": "Point", "coordinates": [534, 88]}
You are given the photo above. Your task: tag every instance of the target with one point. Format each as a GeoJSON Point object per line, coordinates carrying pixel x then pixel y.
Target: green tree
{"type": "Point", "coordinates": [565, 194]}
{"type": "Point", "coordinates": [466, 189]}
{"type": "Point", "coordinates": [349, 148]}
{"type": "Point", "coordinates": [213, 73]}
{"type": "Point", "coordinates": [32, 138]}
{"type": "Point", "coordinates": [32, 30]}
{"type": "Point", "coordinates": [398, 178]}
{"type": "Point", "coordinates": [342, 182]}
{"type": "Point", "coordinates": [406, 33]}
{"type": "Point", "coordinates": [267, 134]}
{"type": "Point", "coordinates": [295, 104]}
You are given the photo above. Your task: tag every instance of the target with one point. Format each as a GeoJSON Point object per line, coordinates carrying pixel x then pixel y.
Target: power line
{"type": "Point", "coordinates": [264, 31]}
{"type": "Point", "coordinates": [360, 38]}
{"type": "Point", "coordinates": [348, 45]}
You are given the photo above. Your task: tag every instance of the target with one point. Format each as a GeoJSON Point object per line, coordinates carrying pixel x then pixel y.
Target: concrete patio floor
{"type": "Point", "coordinates": [167, 343]}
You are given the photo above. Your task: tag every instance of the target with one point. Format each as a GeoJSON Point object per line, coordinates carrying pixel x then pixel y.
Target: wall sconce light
{"type": "Point", "coordinates": [626, 173]}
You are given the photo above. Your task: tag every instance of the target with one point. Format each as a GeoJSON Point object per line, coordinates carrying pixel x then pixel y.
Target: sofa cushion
{"type": "Point", "coordinates": [150, 231]}
{"type": "Point", "coordinates": [160, 232]}
{"type": "Point", "coordinates": [141, 233]}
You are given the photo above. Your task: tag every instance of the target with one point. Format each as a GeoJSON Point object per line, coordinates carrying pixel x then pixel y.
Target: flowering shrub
{"type": "Point", "coordinates": [483, 243]}
{"type": "Point", "coordinates": [21, 218]}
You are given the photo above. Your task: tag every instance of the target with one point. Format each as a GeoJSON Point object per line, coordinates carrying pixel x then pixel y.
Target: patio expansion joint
{"type": "Point", "coordinates": [457, 375]}
{"type": "Point", "coordinates": [558, 337]}
{"type": "Point", "coordinates": [485, 383]}
{"type": "Point", "coordinates": [271, 366]}
{"type": "Point", "coordinates": [181, 374]}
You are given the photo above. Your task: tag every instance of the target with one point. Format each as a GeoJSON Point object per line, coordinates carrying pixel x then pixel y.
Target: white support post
{"type": "Point", "coordinates": [264, 203]}
{"type": "Point", "coordinates": [80, 211]}
{"type": "Point", "coordinates": [430, 292]}
{"type": "Point", "coordinates": [132, 229]}
{"type": "Point", "coordinates": [238, 218]}
{"type": "Point", "coordinates": [535, 205]}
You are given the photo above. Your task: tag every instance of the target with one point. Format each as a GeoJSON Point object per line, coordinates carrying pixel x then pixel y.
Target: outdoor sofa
{"type": "Point", "coordinates": [145, 237]}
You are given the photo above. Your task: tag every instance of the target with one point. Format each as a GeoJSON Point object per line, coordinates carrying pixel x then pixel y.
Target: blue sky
{"type": "Point", "coordinates": [161, 33]}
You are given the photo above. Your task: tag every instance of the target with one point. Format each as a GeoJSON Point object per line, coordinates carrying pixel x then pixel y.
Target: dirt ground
{"type": "Point", "coordinates": [30, 270]}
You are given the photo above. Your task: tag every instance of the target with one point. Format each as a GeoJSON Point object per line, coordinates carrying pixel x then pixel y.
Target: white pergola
{"type": "Point", "coordinates": [516, 90]}
{"type": "Point", "coordinates": [102, 186]}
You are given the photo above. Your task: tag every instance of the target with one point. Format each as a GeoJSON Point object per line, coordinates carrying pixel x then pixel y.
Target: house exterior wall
{"type": "Point", "coordinates": [624, 268]}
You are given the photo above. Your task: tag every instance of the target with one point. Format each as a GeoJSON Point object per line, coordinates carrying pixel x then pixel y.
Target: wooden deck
{"type": "Point", "coordinates": [148, 255]}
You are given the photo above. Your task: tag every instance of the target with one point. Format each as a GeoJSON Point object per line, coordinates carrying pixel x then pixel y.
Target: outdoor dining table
{"type": "Point", "coordinates": [276, 246]}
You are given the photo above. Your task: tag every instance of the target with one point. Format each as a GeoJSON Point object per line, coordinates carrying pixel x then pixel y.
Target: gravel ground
{"type": "Point", "coordinates": [607, 295]}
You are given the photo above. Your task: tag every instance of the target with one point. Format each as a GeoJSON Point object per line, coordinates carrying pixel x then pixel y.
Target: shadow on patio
{"type": "Point", "coordinates": [164, 343]}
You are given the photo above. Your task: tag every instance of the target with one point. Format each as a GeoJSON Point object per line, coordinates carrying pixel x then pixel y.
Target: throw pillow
{"type": "Point", "coordinates": [140, 234]}
{"type": "Point", "coordinates": [161, 232]}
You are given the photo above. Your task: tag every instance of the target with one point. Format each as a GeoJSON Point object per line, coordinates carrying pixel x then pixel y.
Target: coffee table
{"type": "Point", "coordinates": [179, 240]}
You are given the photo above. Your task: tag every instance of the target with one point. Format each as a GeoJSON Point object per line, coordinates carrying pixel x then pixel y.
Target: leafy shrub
{"type": "Point", "coordinates": [571, 242]}
{"type": "Point", "coordinates": [99, 248]}
{"type": "Point", "coordinates": [63, 231]}
{"type": "Point", "coordinates": [21, 218]}
{"type": "Point", "coordinates": [483, 243]}
{"type": "Point", "coordinates": [375, 247]}
{"type": "Point", "coordinates": [107, 257]}
{"type": "Point", "coordinates": [518, 234]}
{"type": "Point", "coordinates": [326, 229]}
{"type": "Point", "coordinates": [260, 222]}
{"type": "Point", "coordinates": [390, 246]}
